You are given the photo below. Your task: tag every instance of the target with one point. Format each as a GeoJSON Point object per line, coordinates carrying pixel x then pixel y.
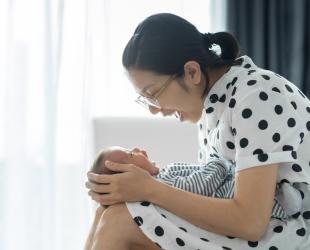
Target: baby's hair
{"type": "Point", "coordinates": [96, 168]}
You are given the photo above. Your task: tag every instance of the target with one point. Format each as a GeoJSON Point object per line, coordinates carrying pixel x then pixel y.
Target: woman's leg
{"type": "Point", "coordinates": [89, 241]}
{"type": "Point", "coordinates": [117, 230]}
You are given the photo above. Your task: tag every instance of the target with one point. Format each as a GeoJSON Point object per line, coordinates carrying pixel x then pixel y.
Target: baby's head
{"type": "Point", "coordinates": [122, 155]}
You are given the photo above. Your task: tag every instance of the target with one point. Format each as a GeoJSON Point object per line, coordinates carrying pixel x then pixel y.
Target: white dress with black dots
{"type": "Point", "coordinates": [252, 117]}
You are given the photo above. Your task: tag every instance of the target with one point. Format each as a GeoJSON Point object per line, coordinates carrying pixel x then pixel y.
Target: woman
{"type": "Point", "coordinates": [252, 117]}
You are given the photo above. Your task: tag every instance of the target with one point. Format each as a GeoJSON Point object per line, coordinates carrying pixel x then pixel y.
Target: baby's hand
{"type": "Point", "coordinates": [155, 171]}
{"type": "Point", "coordinates": [152, 169]}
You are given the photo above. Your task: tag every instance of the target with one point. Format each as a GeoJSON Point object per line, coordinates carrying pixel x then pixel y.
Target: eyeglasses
{"type": "Point", "coordinates": [152, 100]}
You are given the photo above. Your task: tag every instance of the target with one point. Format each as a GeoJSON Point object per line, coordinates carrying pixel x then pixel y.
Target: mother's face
{"type": "Point", "coordinates": [182, 96]}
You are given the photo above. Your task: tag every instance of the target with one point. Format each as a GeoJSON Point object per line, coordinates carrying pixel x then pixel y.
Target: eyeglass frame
{"type": "Point", "coordinates": [152, 100]}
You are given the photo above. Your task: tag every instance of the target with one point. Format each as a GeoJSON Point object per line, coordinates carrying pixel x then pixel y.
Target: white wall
{"type": "Point", "coordinates": [166, 140]}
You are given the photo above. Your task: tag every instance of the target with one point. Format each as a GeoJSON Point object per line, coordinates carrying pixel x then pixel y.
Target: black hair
{"type": "Point", "coordinates": [164, 42]}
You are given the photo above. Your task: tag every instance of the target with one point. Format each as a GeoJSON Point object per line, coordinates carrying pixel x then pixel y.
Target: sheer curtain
{"type": "Point", "coordinates": [60, 65]}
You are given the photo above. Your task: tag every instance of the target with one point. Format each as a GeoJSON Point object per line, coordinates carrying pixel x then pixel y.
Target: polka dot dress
{"type": "Point", "coordinates": [252, 117]}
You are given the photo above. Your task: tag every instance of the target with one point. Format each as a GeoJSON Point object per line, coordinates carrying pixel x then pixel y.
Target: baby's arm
{"type": "Point", "coordinates": [149, 165]}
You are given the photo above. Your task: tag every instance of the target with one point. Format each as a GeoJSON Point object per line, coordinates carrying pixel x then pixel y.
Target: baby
{"type": "Point", "coordinates": [121, 155]}
{"type": "Point", "coordinates": [204, 179]}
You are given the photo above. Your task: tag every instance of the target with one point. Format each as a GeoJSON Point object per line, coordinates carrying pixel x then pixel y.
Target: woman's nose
{"type": "Point", "coordinates": [154, 110]}
{"type": "Point", "coordinates": [165, 112]}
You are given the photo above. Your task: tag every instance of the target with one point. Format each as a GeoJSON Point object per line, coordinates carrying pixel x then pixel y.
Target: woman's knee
{"type": "Point", "coordinates": [114, 218]}
{"type": "Point", "coordinates": [99, 211]}
{"type": "Point", "coordinates": [117, 225]}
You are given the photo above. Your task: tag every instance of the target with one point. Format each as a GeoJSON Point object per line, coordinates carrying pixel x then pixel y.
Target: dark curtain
{"type": "Point", "coordinates": [275, 34]}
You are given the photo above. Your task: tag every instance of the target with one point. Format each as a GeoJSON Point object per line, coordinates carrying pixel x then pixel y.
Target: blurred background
{"type": "Point", "coordinates": [60, 70]}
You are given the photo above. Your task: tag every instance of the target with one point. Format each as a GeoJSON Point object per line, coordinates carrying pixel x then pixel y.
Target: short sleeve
{"type": "Point", "coordinates": [267, 129]}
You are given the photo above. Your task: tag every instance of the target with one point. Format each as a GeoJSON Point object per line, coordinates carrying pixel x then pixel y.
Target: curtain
{"type": "Point", "coordinates": [44, 124]}
{"type": "Point", "coordinates": [276, 34]}
{"type": "Point", "coordinates": [60, 66]}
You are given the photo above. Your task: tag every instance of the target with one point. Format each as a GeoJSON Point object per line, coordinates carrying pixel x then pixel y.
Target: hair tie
{"type": "Point", "coordinates": [210, 40]}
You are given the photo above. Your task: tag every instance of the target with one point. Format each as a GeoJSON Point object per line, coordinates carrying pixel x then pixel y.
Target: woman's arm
{"type": "Point", "coordinates": [245, 216]}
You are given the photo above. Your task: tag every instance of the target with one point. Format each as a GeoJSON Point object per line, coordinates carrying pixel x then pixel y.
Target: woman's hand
{"type": "Point", "coordinates": [133, 184]}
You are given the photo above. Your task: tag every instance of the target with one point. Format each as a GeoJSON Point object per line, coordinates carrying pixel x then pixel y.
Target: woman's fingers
{"type": "Point", "coordinates": [96, 197]}
{"type": "Point", "coordinates": [99, 188]}
{"type": "Point", "coordinates": [103, 199]}
{"type": "Point", "coordinates": [99, 178]}
{"type": "Point", "coordinates": [119, 167]}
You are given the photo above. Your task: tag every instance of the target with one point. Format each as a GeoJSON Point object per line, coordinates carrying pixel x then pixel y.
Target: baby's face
{"type": "Point", "coordinates": [136, 156]}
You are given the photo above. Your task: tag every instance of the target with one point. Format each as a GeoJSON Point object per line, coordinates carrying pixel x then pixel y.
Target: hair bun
{"type": "Point", "coordinates": [208, 39]}
{"type": "Point", "coordinates": [228, 43]}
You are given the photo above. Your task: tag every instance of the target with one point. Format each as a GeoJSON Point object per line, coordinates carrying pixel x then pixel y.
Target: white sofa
{"type": "Point", "coordinates": [165, 139]}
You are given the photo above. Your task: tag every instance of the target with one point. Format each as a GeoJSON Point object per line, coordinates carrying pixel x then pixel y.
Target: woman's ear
{"type": "Point", "coordinates": [192, 72]}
